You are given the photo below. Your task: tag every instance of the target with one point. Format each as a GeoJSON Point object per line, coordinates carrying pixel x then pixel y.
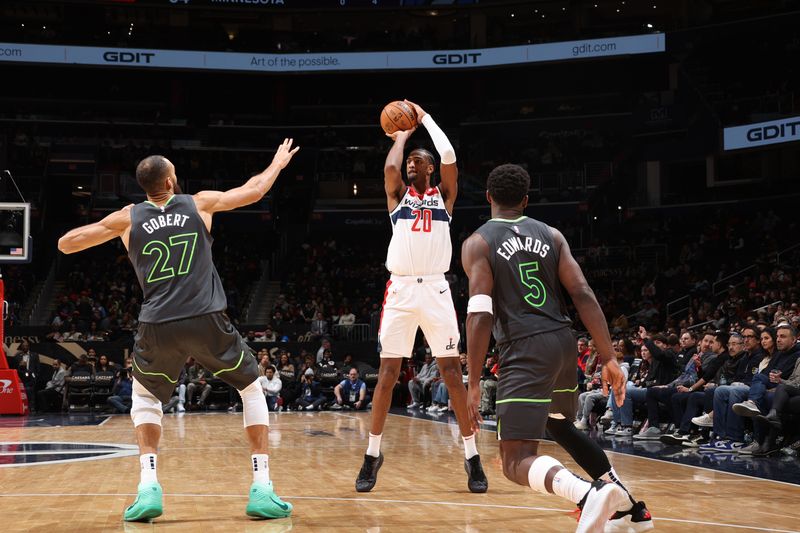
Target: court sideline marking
{"type": "Point", "coordinates": [376, 500]}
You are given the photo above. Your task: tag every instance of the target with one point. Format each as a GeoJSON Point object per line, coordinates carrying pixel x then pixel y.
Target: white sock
{"type": "Point", "coordinates": [470, 450]}
{"type": "Point", "coordinates": [148, 463]}
{"type": "Point", "coordinates": [569, 486]}
{"type": "Point", "coordinates": [374, 447]}
{"type": "Point", "coordinates": [260, 463]}
{"type": "Point", "coordinates": [565, 483]}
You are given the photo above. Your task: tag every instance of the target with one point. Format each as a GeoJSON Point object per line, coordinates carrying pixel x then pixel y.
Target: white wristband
{"type": "Point", "coordinates": [440, 140]}
{"type": "Point", "coordinates": [480, 303]}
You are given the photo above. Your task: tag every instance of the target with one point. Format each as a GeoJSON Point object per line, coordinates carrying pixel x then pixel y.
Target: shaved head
{"type": "Point", "coordinates": [152, 172]}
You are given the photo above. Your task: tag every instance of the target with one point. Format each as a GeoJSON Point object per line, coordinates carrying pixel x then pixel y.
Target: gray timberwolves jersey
{"type": "Point", "coordinates": [170, 249]}
{"type": "Point", "coordinates": [527, 293]}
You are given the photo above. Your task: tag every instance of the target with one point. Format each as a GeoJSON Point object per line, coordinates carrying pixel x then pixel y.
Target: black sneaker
{"type": "Point", "coordinates": [368, 475]}
{"type": "Point", "coordinates": [696, 441]}
{"type": "Point", "coordinates": [636, 519]}
{"type": "Point", "coordinates": [675, 438]}
{"type": "Point", "coordinates": [476, 479]}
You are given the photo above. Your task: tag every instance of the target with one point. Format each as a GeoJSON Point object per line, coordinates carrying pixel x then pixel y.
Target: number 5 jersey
{"type": "Point", "coordinates": [170, 249]}
{"type": "Point", "coordinates": [527, 292]}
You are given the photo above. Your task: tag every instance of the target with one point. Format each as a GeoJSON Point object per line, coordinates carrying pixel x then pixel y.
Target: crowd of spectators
{"type": "Point", "coordinates": [727, 390]}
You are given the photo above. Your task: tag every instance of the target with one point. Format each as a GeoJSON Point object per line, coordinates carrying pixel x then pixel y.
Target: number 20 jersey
{"type": "Point", "coordinates": [420, 242]}
{"type": "Point", "coordinates": [170, 249]}
{"type": "Point", "coordinates": [527, 296]}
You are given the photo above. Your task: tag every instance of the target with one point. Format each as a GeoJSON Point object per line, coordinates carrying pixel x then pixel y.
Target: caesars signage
{"type": "Point", "coordinates": [429, 59]}
{"type": "Point", "coordinates": [762, 133]}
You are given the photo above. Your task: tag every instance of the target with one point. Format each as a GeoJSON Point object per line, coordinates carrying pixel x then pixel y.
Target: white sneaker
{"type": "Point", "coordinates": [602, 501]}
{"type": "Point", "coordinates": [612, 429]}
{"type": "Point", "coordinates": [746, 408]}
{"type": "Point", "coordinates": [607, 417]}
{"type": "Point", "coordinates": [581, 424]}
{"type": "Point", "coordinates": [626, 432]}
{"type": "Point", "coordinates": [750, 448]}
{"type": "Point", "coordinates": [704, 421]}
{"type": "Point", "coordinates": [336, 407]}
{"type": "Point", "coordinates": [412, 405]}
{"type": "Point", "coordinates": [181, 408]}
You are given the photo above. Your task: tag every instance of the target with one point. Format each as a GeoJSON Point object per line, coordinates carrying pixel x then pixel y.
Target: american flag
{"type": "Point", "coordinates": [17, 251]}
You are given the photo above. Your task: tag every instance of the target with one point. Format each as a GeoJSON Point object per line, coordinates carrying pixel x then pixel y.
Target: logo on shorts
{"type": "Point", "coordinates": [450, 346]}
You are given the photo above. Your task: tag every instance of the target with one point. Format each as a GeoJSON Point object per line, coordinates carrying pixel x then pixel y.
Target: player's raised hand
{"type": "Point", "coordinates": [401, 134]}
{"type": "Point", "coordinates": [284, 153]}
{"type": "Point", "coordinates": [419, 111]}
{"type": "Point", "coordinates": [473, 408]}
{"type": "Point", "coordinates": [612, 376]}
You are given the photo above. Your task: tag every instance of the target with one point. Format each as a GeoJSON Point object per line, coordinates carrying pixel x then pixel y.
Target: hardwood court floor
{"type": "Point", "coordinates": [204, 469]}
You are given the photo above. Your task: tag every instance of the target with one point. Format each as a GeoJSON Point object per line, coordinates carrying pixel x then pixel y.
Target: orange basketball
{"type": "Point", "coordinates": [398, 115]}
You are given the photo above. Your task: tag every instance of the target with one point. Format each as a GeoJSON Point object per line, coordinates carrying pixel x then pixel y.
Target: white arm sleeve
{"type": "Point", "coordinates": [440, 140]}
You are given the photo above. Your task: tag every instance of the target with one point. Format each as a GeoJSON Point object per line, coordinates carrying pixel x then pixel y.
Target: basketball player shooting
{"type": "Point", "coordinates": [183, 313]}
{"type": "Point", "coordinates": [517, 267]}
{"type": "Point", "coordinates": [417, 294]}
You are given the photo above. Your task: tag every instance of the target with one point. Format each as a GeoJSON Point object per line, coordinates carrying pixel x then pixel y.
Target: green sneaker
{"type": "Point", "coordinates": [148, 504]}
{"type": "Point", "coordinates": [264, 503]}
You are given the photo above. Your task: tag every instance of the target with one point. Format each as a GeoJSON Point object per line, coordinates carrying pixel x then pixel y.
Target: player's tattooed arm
{"type": "Point", "coordinates": [114, 225]}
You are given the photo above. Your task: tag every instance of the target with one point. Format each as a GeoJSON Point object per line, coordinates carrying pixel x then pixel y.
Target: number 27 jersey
{"type": "Point", "coordinates": [170, 249]}
{"type": "Point", "coordinates": [527, 296]}
{"type": "Point", "coordinates": [420, 242]}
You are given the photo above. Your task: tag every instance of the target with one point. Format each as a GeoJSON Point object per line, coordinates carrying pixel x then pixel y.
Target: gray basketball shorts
{"type": "Point", "coordinates": [538, 376]}
{"type": "Point", "coordinates": [161, 350]}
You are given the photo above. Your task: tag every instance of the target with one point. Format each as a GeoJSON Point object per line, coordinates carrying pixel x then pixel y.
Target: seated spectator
{"type": "Point", "coordinates": [347, 363]}
{"type": "Point", "coordinates": [319, 326]}
{"type": "Point", "coordinates": [271, 385]}
{"type": "Point", "coordinates": [728, 426]}
{"type": "Point", "coordinates": [780, 364]}
{"type": "Point", "coordinates": [420, 384]}
{"type": "Point", "coordinates": [760, 395]}
{"type": "Point", "coordinates": [324, 345]}
{"type": "Point", "coordinates": [641, 377]}
{"type": "Point", "coordinates": [311, 397]}
{"type": "Point", "coordinates": [308, 364]}
{"type": "Point", "coordinates": [81, 366]}
{"type": "Point", "coordinates": [198, 380]}
{"type": "Point", "coordinates": [263, 361]}
{"type": "Point", "coordinates": [440, 394]}
{"type": "Point", "coordinates": [103, 365]}
{"type": "Point", "coordinates": [288, 377]}
{"type": "Point", "coordinates": [594, 395]}
{"type": "Point", "coordinates": [489, 385]}
{"type": "Point", "coordinates": [351, 393]}
{"type": "Point", "coordinates": [51, 398]}
{"type": "Point", "coordinates": [663, 393]}
{"type": "Point", "coordinates": [178, 400]}
{"type": "Point", "coordinates": [688, 403]}
{"type": "Point", "coordinates": [327, 362]}
{"type": "Point", "coordinates": [785, 402]}
{"type": "Point", "coordinates": [269, 335]}
{"type": "Point", "coordinates": [120, 399]}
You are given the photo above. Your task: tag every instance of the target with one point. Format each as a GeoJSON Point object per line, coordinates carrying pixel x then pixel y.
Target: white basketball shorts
{"type": "Point", "coordinates": [418, 301]}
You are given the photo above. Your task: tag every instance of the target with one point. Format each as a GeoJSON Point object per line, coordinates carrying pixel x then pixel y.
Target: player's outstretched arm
{"type": "Point", "coordinates": [253, 190]}
{"type": "Point", "coordinates": [79, 239]}
{"type": "Point", "coordinates": [447, 154]}
{"type": "Point", "coordinates": [475, 260]}
{"type": "Point", "coordinates": [572, 279]}
{"type": "Point", "coordinates": [393, 168]}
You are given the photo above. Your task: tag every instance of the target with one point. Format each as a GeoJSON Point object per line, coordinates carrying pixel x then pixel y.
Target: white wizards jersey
{"type": "Point", "coordinates": [420, 235]}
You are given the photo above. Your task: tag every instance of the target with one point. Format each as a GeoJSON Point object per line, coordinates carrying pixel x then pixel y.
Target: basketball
{"type": "Point", "coordinates": [398, 115]}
